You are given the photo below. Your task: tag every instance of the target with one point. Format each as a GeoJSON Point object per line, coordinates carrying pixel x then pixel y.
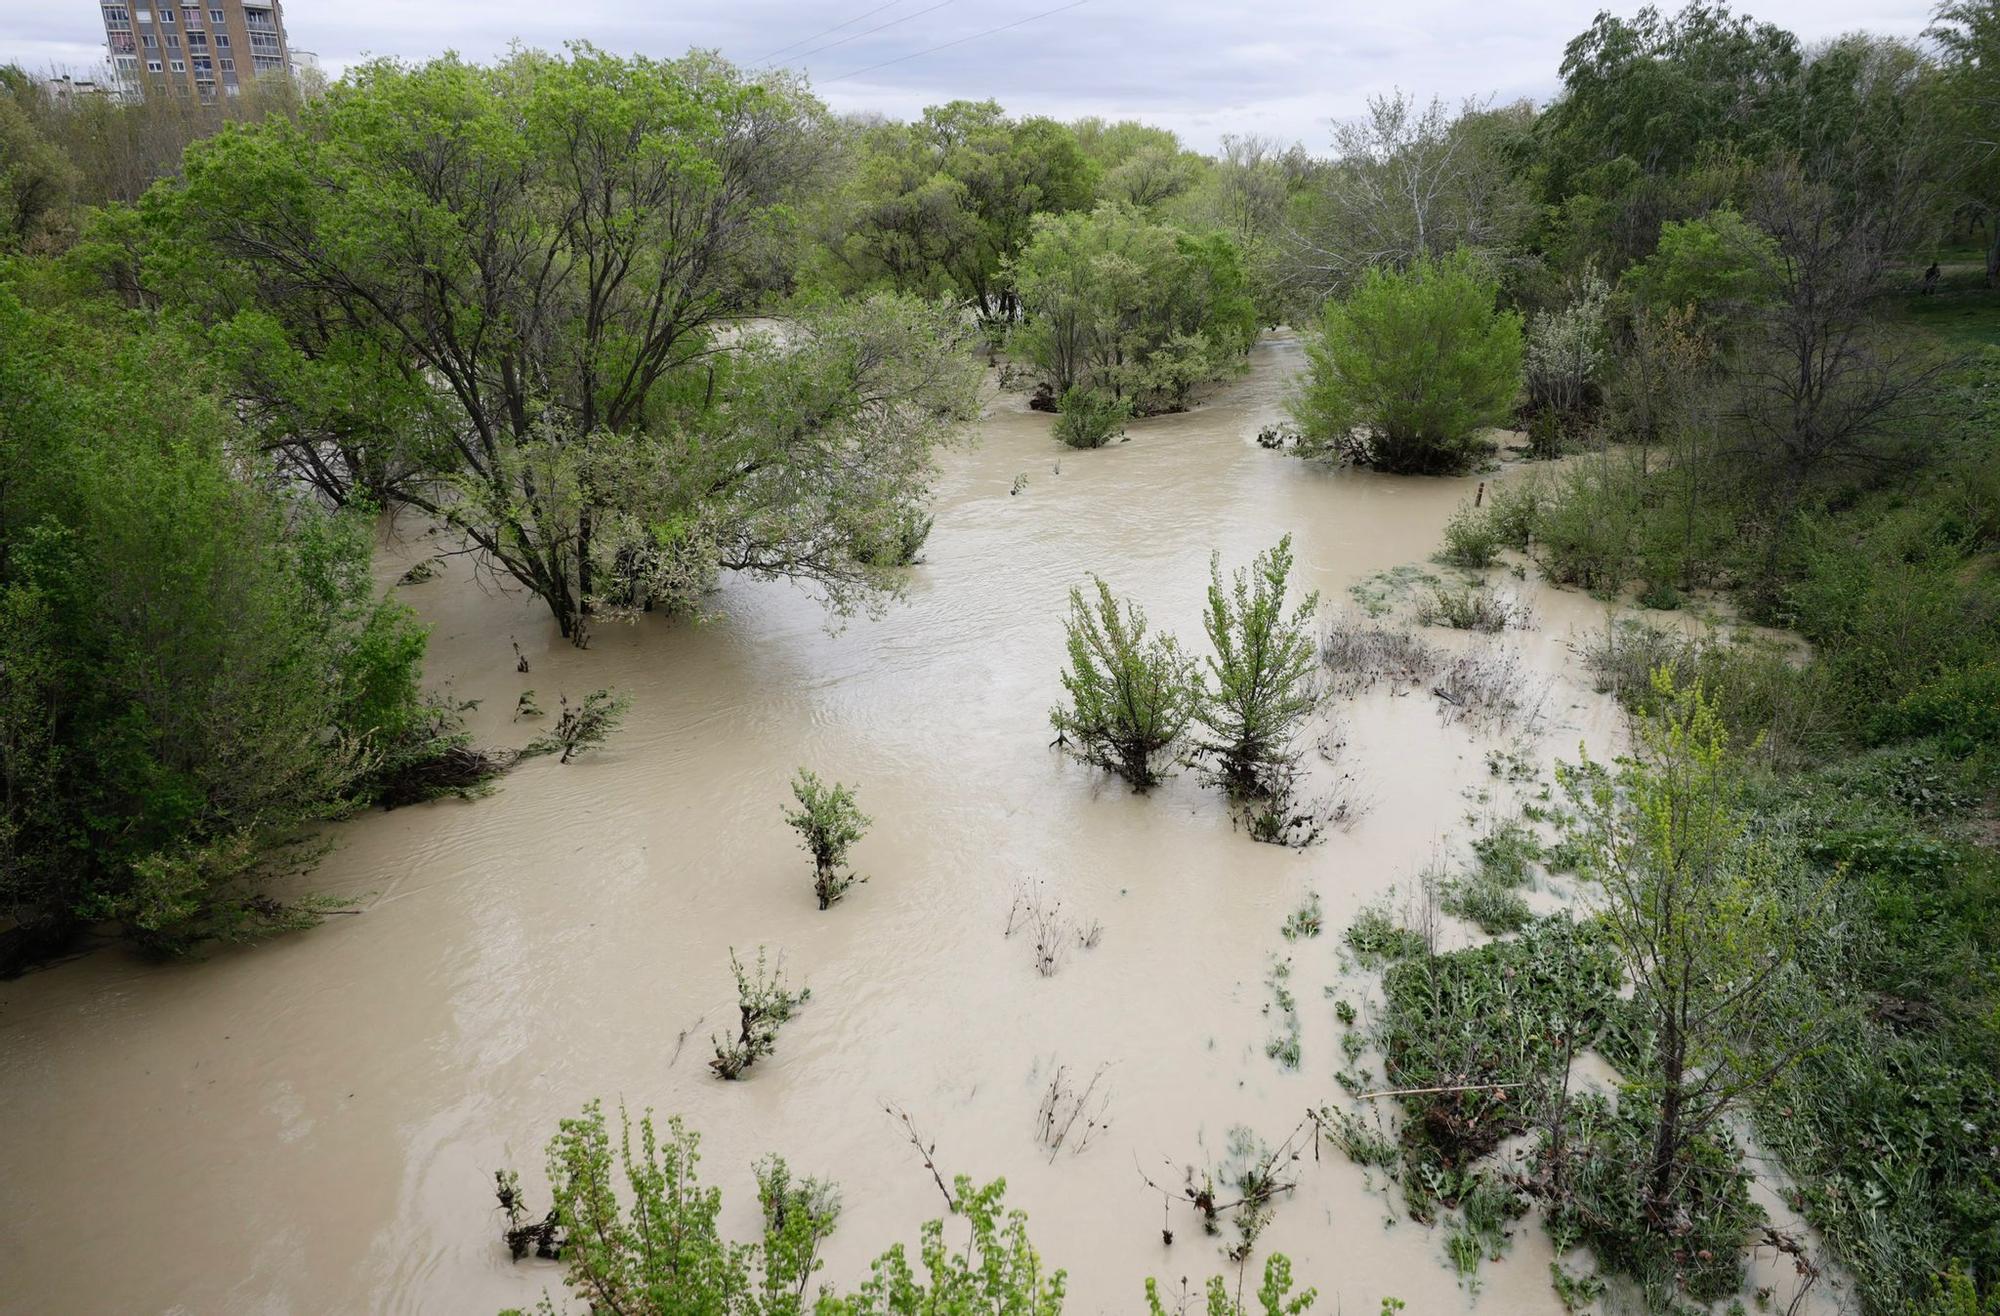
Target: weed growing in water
{"type": "Point", "coordinates": [1069, 1117]}
{"type": "Point", "coordinates": [1040, 915]}
{"type": "Point", "coordinates": [1308, 920]}
{"type": "Point", "coordinates": [764, 1004]}
{"type": "Point", "coordinates": [828, 823]}
{"type": "Point", "coordinates": [1283, 1048]}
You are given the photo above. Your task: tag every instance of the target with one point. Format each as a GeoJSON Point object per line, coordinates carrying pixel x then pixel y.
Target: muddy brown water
{"type": "Point", "coordinates": [312, 1124]}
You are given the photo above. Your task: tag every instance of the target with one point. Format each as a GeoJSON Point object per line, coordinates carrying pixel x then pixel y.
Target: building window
{"type": "Point", "coordinates": [197, 41]}
{"type": "Point", "coordinates": [267, 64]}
{"type": "Point", "coordinates": [177, 65]}
{"type": "Point", "coordinates": [231, 88]}
{"type": "Point", "coordinates": [173, 42]}
{"type": "Point", "coordinates": [228, 64]}
{"type": "Point", "coordinates": [117, 14]}
{"type": "Point", "coordinates": [152, 66]}
{"type": "Point", "coordinates": [149, 41]}
{"type": "Point", "coordinates": [143, 15]}
{"type": "Point", "coordinates": [222, 41]}
{"type": "Point", "coordinates": [215, 16]}
{"type": "Point", "coordinates": [167, 16]}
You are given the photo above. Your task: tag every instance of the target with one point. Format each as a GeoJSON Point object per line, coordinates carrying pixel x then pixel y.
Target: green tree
{"type": "Point", "coordinates": [1707, 915]}
{"type": "Point", "coordinates": [1406, 370]}
{"type": "Point", "coordinates": [195, 667]}
{"type": "Point", "coordinates": [1139, 310]}
{"type": "Point", "coordinates": [1263, 675]}
{"type": "Point", "coordinates": [37, 181]}
{"type": "Point", "coordinates": [1131, 697]}
{"type": "Point", "coordinates": [828, 823]}
{"type": "Point", "coordinates": [1274, 1294]}
{"type": "Point", "coordinates": [536, 262]}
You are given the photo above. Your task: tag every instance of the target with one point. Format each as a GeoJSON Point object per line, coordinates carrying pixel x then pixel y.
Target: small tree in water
{"type": "Point", "coordinates": [1708, 917]}
{"type": "Point", "coordinates": [1130, 698]}
{"type": "Point", "coordinates": [1265, 673]}
{"type": "Point", "coordinates": [581, 726]}
{"type": "Point", "coordinates": [764, 1004]}
{"type": "Point", "coordinates": [828, 824]}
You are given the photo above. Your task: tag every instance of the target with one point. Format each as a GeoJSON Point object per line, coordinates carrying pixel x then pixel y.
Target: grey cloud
{"type": "Point", "coordinates": [1283, 69]}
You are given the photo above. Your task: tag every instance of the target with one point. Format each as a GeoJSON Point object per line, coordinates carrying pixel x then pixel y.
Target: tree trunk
{"type": "Point", "coordinates": [1667, 1133]}
{"type": "Point", "coordinates": [1993, 254]}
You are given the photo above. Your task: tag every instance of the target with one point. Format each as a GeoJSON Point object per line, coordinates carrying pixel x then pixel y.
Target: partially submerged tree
{"type": "Point", "coordinates": [1707, 915]}
{"type": "Point", "coordinates": [501, 295]}
{"type": "Point", "coordinates": [584, 725]}
{"type": "Point", "coordinates": [828, 823]}
{"type": "Point", "coordinates": [1263, 675]}
{"type": "Point", "coordinates": [1140, 310]}
{"type": "Point", "coordinates": [1131, 697]}
{"type": "Point", "coordinates": [1407, 370]}
{"type": "Point", "coordinates": [763, 1005]}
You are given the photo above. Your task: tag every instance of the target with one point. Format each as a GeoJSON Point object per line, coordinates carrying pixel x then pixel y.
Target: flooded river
{"type": "Point", "coordinates": [312, 1125]}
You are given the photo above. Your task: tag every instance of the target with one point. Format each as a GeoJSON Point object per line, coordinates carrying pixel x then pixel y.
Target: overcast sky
{"type": "Point", "coordinates": [1282, 68]}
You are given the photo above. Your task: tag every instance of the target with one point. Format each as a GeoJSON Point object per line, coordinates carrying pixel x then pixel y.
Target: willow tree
{"type": "Point", "coordinates": [505, 295]}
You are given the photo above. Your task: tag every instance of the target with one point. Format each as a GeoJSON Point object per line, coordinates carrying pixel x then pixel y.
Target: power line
{"type": "Point", "coordinates": [1074, 4]}
{"type": "Point", "coordinates": [880, 27]}
{"type": "Point", "coordinates": [765, 59]}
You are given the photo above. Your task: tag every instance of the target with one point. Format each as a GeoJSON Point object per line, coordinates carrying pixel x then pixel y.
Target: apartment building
{"type": "Point", "coordinates": [203, 50]}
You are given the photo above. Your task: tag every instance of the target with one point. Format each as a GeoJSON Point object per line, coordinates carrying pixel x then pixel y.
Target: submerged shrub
{"type": "Point", "coordinates": [1470, 539]}
{"type": "Point", "coordinates": [1090, 417]}
{"type": "Point", "coordinates": [1131, 696]}
{"type": "Point", "coordinates": [828, 823]}
{"type": "Point", "coordinates": [1406, 371]}
{"type": "Point", "coordinates": [1264, 674]}
{"type": "Point", "coordinates": [581, 726]}
{"type": "Point", "coordinates": [763, 1005]}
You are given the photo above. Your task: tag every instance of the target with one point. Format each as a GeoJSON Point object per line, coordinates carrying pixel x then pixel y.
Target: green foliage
{"type": "Point", "coordinates": [1407, 370]}
{"type": "Point", "coordinates": [1264, 673]}
{"type": "Point", "coordinates": [582, 726]}
{"type": "Point", "coordinates": [616, 456]}
{"type": "Point", "coordinates": [1131, 697]}
{"type": "Point", "coordinates": [1305, 922]}
{"type": "Point", "coordinates": [1274, 1295]}
{"type": "Point", "coordinates": [942, 206]}
{"type": "Point", "coordinates": [1471, 539]}
{"type": "Point", "coordinates": [828, 823]}
{"type": "Point", "coordinates": [1375, 936]}
{"type": "Point", "coordinates": [763, 1005]}
{"type": "Point", "coordinates": [194, 668]}
{"type": "Point", "coordinates": [1139, 310]}
{"type": "Point", "coordinates": [1091, 417]}
{"type": "Point", "coordinates": [1717, 264]}
{"type": "Point", "coordinates": [997, 1271]}
{"type": "Point", "coordinates": [1708, 917]}
{"type": "Point", "coordinates": [664, 1253]}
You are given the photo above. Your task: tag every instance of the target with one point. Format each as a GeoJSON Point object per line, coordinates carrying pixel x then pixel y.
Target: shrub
{"type": "Point", "coordinates": [581, 726]}
{"type": "Point", "coordinates": [1469, 610]}
{"type": "Point", "coordinates": [828, 824]}
{"type": "Point", "coordinates": [666, 1254]}
{"type": "Point", "coordinates": [1131, 697]}
{"type": "Point", "coordinates": [1090, 417]}
{"type": "Point", "coordinates": [763, 1004]}
{"type": "Point", "coordinates": [1265, 678]}
{"type": "Point", "coordinates": [1415, 363]}
{"type": "Point", "coordinates": [1471, 540]}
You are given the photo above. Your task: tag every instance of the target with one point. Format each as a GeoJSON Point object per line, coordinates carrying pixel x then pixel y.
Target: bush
{"type": "Point", "coordinates": [1090, 417]}
{"type": "Point", "coordinates": [1131, 698]}
{"type": "Point", "coordinates": [1409, 368]}
{"type": "Point", "coordinates": [193, 668]}
{"type": "Point", "coordinates": [581, 726]}
{"type": "Point", "coordinates": [763, 1005]}
{"type": "Point", "coordinates": [1471, 540]}
{"type": "Point", "coordinates": [828, 824]}
{"type": "Point", "coordinates": [1265, 673]}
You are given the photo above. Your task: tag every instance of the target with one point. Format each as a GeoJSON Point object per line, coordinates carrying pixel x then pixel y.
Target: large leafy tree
{"type": "Point", "coordinates": [505, 296]}
{"type": "Point", "coordinates": [1143, 311]}
{"type": "Point", "coordinates": [1968, 33]}
{"type": "Point", "coordinates": [942, 205]}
